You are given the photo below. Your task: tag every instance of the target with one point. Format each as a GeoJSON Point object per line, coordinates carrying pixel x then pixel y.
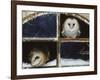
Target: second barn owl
{"type": "Point", "coordinates": [38, 58]}
{"type": "Point", "coordinates": [71, 28]}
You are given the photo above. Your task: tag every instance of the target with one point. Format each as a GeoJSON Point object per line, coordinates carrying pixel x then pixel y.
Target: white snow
{"type": "Point", "coordinates": [26, 65]}
{"type": "Point", "coordinates": [51, 63]}
{"type": "Point", "coordinates": [73, 62]}
{"type": "Point", "coordinates": [64, 62]}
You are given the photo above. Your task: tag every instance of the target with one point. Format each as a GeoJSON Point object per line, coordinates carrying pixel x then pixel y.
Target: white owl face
{"type": "Point", "coordinates": [38, 58]}
{"type": "Point", "coordinates": [71, 24]}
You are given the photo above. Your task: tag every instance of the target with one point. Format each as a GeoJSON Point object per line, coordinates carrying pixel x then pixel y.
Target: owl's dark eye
{"type": "Point", "coordinates": [68, 24]}
{"type": "Point", "coordinates": [73, 24]}
{"type": "Point", "coordinates": [36, 57]}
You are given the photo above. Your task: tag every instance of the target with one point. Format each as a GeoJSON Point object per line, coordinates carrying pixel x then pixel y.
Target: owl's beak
{"type": "Point", "coordinates": [71, 27]}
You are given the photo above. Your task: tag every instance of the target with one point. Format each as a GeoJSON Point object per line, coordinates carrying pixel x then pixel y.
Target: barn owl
{"type": "Point", "coordinates": [71, 28]}
{"type": "Point", "coordinates": [38, 58]}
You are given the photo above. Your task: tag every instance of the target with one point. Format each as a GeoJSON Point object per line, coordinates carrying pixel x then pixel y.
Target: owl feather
{"type": "Point", "coordinates": [71, 28]}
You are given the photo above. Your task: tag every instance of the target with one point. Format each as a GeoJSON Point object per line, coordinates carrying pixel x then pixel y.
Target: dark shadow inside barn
{"type": "Point", "coordinates": [74, 50]}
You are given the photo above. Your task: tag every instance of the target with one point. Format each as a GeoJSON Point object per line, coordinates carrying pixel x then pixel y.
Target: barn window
{"type": "Point", "coordinates": [49, 42]}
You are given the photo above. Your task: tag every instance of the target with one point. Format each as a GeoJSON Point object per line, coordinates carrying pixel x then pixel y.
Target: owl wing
{"type": "Point", "coordinates": [78, 34]}
{"type": "Point", "coordinates": [63, 33]}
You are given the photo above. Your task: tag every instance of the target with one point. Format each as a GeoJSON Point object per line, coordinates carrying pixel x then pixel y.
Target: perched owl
{"type": "Point", "coordinates": [38, 58]}
{"type": "Point", "coordinates": [71, 28]}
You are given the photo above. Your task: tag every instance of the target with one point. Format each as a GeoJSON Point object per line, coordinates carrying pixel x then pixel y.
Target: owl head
{"type": "Point", "coordinates": [71, 24]}
{"type": "Point", "coordinates": [38, 57]}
